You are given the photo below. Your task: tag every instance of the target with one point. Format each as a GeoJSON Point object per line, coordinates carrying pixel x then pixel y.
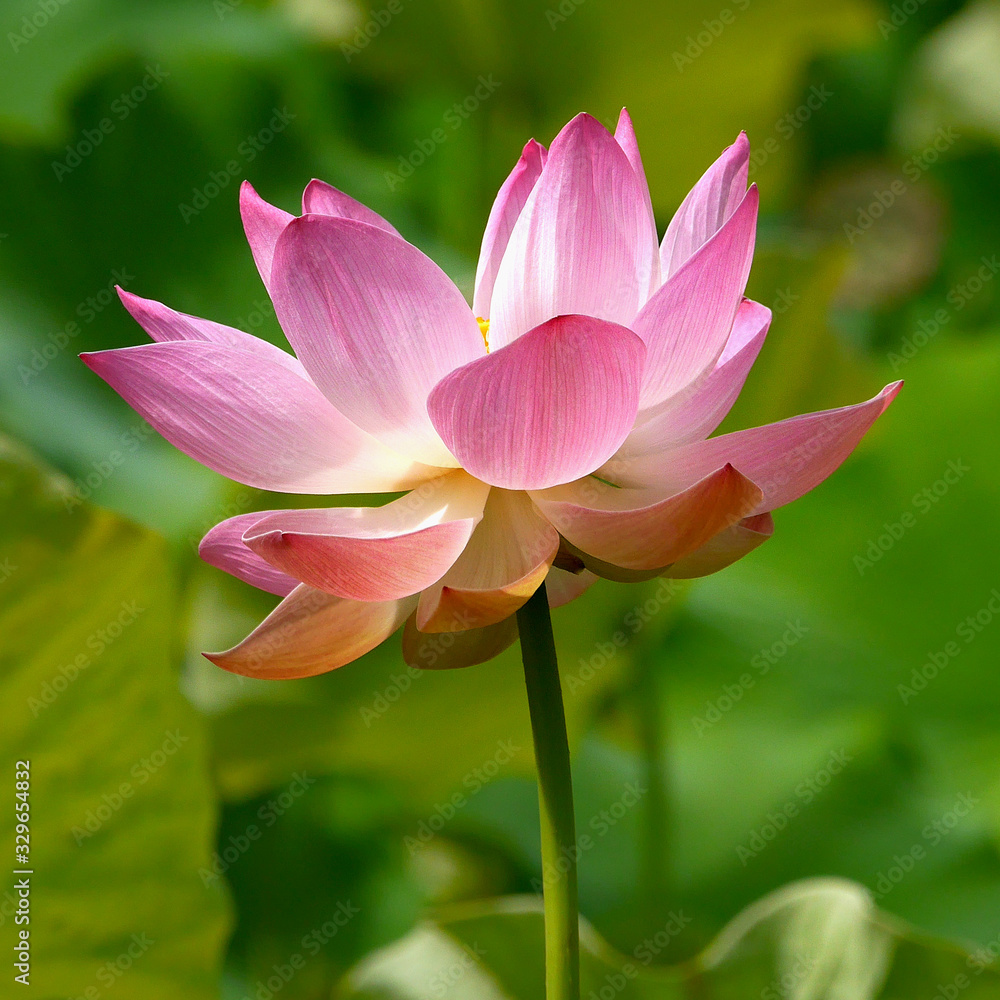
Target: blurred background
{"type": "Point", "coordinates": [828, 706]}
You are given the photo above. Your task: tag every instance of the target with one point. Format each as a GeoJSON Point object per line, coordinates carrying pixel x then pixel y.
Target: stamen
{"type": "Point", "coordinates": [484, 329]}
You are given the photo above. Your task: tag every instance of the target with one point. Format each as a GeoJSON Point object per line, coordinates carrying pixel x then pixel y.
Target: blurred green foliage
{"type": "Point", "coordinates": [771, 715]}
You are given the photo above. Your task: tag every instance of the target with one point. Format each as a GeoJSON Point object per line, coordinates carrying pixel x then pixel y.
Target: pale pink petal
{"type": "Point", "coordinates": [165, 324]}
{"type": "Point", "coordinates": [310, 632]}
{"type": "Point", "coordinates": [563, 587]}
{"type": "Point", "coordinates": [374, 553]}
{"type": "Point", "coordinates": [376, 324]}
{"type": "Point", "coordinates": [251, 419]}
{"type": "Point", "coordinates": [320, 198]}
{"type": "Point", "coordinates": [709, 203]}
{"type": "Point", "coordinates": [453, 650]}
{"type": "Point", "coordinates": [502, 566]}
{"type": "Point", "coordinates": [696, 411]}
{"type": "Point", "coordinates": [546, 409]}
{"type": "Point", "coordinates": [583, 242]}
{"type": "Point", "coordinates": [685, 325]}
{"type": "Point", "coordinates": [785, 460]}
{"type": "Point", "coordinates": [726, 548]}
{"type": "Point", "coordinates": [223, 547]}
{"type": "Point", "coordinates": [263, 223]}
{"type": "Point", "coordinates": [506, 208]}
{"type": "Point", "coordinates": [626, 138]}
{"type": "Point", "coordinates": [643, 530]}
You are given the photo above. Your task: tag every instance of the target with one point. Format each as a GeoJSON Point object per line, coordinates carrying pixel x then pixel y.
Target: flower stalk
{"type": "Point", "coordinates": [555, 799]}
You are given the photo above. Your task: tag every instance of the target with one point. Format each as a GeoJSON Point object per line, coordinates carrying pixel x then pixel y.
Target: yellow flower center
{"type": "Point", "coordinates": [484, 329]}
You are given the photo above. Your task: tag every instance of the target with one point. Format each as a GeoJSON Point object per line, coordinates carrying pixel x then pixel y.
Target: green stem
{"type": "Point", "coordinates": [555, 799]}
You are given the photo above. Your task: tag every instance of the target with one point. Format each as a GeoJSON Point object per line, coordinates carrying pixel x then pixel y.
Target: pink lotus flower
{"type": "Point", "coordinates": [556, 430]}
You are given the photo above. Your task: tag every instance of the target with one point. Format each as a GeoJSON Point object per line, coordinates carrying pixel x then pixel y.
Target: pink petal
{"type": "Point", "coordinates": [506, 208]}
{"type": "Point", "coordinates": [685, 325]}
{"type": "Point", "coordinates": [708, 205]}
{"type": "Point", "coordinates": [376, 324]}
{"type": "Point", "coordinates": [320, 198]}
{"type": "Point", "coordinates": [582, 244]}
{"type": "Point", "coordinates": [696, 411]}
{"type": "Point", "coordinates": [626, 138]}
{"type": "Point", "coordinates": [223, 547]}
{"type": "Point", "coordinates": [640, 530]}
{"type": "Point", "coordinates": [251, 419]}
{"type": "Point", "coordinates": [453, 650]}
{"type": "Point", "coordinates": [504, 563]}
{"type": "Point", "coordinates": [374, 553]}
{"type": "Point", "coordinates": [263, 224]}
{"type": "Point", "coordinates": [785, 460]}
{"type": "Point", "coordinates": [164, 324]}
{"type": "Point", "coordinates": [726, 548]}
{"type": "Point", "coordinates": [546, 409]}
{"type": "Point", "coordinates": [310, 632]}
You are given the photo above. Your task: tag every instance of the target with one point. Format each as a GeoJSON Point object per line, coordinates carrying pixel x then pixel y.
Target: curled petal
{"type": "Point", "coordinates": [165, 324]}
{"type": "Point", "coordinates": [376, 324]}
{"type": "Point", "coordinates": [708, 205]}
{"type": "Point", "coordinates": [685, 325]}
{"type": "Point", "coordinates": [224, 548]}
{"type": "Point", "coordinates": [251, 419]}
{"type": "Point", "coordinates": [786, 459]}
{"type": "Point", "coordinates": [635, 529]}
{"type": "Point", "coordinates": [263, 224]}
{"type": "Point", "coordinates": [694, 412]}
{"type": "Point", "coordinates": [374, 553]}
{"type": "Point", "coordinates": [506, 208]}
{"type": "Point", "coordinates": [310, 633]}
{"type": "Point", "coordinates": [726, 548]}
{"type": "Point", "coordinates": [320, 198]}
{"type": "Point", "coordinates": [452, 650]}
{"type": "Point", "coordinates": [563, 587]}
{"type": "Point", "coordinates": [506, 559]}
{"type": "Point", "coordinates": [546, 409]}
{"type": "Point", "coordinates": [584, 243]}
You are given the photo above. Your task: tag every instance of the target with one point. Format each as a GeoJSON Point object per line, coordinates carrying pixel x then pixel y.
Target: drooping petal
{"type": "Point", "coordinates": [546, 409]}
{"type": "Point", "coordinates": [320, 198]}
{"type": "Point", "coordinates": [506, 208]}
{"type": "Point", "coordinates": [453, 650]}
{"type": "Point", "coordinates": [165, 324]}
{"type": "Point", "coordinates": [582, 244]}
{"type": "Point", "coordinates": [374, 553]}
{"type": "Point", "coordinates": [708, 205]}
{"type": "Point", "coordinates": [685, 325]}
{"type": "Point", "coordinates": [640, 530]}
{"type": "Point", "coordinates": [251, 419]}
{"type": "Point", "coordinates": [726, 548]}
{"type": "Point", "coordinates": [785, 459]}
{"type": "Point", "coordinates": [263, 223]}
{"type": "Point", "coordinates": [694, 412]}
{"type": "Point", "coordinates": [626, 138]}
{"type": "Point", "coordinates": [223, 547]}
{"type": "Point", "coordinates": [563, 587]}
{"type": "Point", "coordinates": [310, 633]}
{"type": "Point", "coordinates": [506, 559]}
{"type": "Point", "coordinates": [376, 324]}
